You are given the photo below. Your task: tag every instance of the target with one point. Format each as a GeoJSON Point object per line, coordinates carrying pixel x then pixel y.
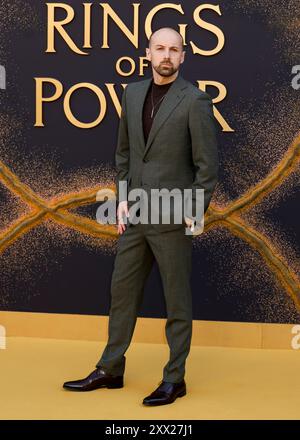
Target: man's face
{"type": "Point", "coordinates": [165, 53]}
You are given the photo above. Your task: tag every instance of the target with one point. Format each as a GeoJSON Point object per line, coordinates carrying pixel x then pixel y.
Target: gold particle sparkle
{"type": "Point", "coordinates": [270, 156]}
{"type": "Point", "coordinates": [282, 17]}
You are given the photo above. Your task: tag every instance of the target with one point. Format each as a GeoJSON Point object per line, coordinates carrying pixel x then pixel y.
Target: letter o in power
{"type": "Point", "coordinates": [67, 108]}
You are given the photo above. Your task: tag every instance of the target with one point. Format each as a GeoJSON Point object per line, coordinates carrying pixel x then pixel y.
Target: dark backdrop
{"type": "Point", "coordinates": [52, 268]}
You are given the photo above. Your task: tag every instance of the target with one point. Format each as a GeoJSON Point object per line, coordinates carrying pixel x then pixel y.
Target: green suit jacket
{"type": "Point", "coordinates": [181, 149]}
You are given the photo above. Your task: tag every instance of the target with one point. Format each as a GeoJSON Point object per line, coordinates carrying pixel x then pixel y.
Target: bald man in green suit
{"type": "Point", "coordinates": [166, 139]}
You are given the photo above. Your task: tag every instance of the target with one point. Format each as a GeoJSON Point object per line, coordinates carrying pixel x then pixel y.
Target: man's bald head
{"type": "Point", "coordinates": [165, 52]}
{"type": "Point", "coordinates": [157, 35]}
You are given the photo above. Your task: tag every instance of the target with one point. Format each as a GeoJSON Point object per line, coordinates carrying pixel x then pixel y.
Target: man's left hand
{"type": "Point", "coordinates": [190, 223]}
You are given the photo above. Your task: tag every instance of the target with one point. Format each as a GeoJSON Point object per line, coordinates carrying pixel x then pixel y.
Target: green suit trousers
{"type": "Point", "coordinates": [137, 248]}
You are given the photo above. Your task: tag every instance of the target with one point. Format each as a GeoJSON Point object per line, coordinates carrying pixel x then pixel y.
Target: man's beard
{"type": "Point", "coordinates": [164, 70]}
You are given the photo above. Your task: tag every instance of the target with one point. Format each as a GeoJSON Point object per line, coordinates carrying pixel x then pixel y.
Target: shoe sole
{"type": "Point", "coordinates": [111, 386]}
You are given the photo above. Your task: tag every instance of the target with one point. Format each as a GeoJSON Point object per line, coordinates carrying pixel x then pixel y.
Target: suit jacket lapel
{"type": "Point", "coordinates": [140, 99]}
{"type": "Point", "coordinates": [173, 97]}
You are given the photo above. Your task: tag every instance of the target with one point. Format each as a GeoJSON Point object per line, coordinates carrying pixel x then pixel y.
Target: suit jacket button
{"type": "Point", "coordinates": [145, 160]}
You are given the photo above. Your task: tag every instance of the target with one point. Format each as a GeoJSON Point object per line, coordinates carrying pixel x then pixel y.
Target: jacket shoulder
{"type": "Point", "coordinates": [137, 83]}
{"type": "Point", "coordinates": [196, 93]}
{"type": "Point", "coordinates": [134, 86]}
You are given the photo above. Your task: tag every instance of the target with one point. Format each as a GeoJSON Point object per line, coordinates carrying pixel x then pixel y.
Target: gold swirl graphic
{"type": "Point", "coordinates": [58, 210]}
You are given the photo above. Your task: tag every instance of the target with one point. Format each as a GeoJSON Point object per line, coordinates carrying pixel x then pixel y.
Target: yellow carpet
{"type": "Point", "coordinates": [222, 383]}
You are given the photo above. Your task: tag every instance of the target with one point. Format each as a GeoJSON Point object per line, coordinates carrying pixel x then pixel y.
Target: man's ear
{"type": "Point", "coordinates": [148, 52]}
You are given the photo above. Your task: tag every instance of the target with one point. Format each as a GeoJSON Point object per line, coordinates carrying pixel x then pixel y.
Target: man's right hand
{"type": "Point", "coordinates": [122, 212]}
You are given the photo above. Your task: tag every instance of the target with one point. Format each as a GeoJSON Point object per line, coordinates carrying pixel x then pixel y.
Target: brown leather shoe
{"type": "Point", "coordinates": [167, 392]}
{"type": "Point", "coordinates": [97, 379]}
